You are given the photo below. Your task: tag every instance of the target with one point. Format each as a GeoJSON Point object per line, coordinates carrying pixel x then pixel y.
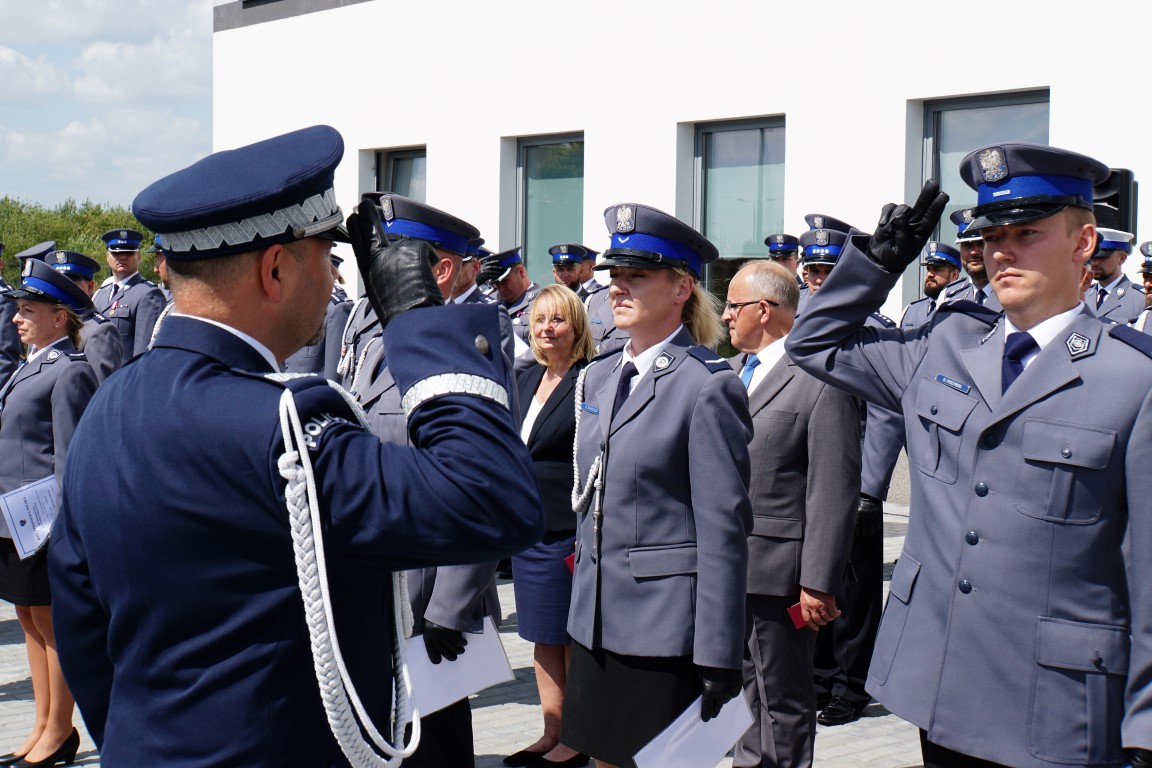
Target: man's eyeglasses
{"type": "Point", "coordinates": [733, 306]}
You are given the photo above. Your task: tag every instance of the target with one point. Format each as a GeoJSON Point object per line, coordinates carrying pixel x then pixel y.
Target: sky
{"type": "Point", "coordinates": [99, 98]}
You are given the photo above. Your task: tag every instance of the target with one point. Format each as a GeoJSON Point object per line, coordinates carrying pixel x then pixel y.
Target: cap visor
{"type": "Point", "coordinates": [629, 262]}
{"type": "Point", "coordinates": [1014, 216]}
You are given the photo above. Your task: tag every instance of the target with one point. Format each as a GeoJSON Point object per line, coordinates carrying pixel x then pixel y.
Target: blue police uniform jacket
{"type": "Point", "coordinates": [666, 574]}
{"type": "Point", "coordinates": [134, 311]}
{"type": "Point", "coordinates": [1019, 623]}
{"type": "Point", "coordinates": [180, 622]}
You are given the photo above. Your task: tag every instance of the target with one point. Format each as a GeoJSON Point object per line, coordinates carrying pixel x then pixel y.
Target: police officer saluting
{"type": "Point", "coordinates": [193, 607]}
{"type": "Point", "coordinates": [1019, 627]}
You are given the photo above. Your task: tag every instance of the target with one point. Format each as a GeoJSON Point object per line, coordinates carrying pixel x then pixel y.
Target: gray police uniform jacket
{"type": "Point", "coordinates": [1019, 626]}
{"type": "Point", "coordinates": [968, 293]}
{"type": "Point", "coordinates": [40, 405]}
{"type": "Point", "coordinates": [134, 311]}
{"type": "Point", "coordinates": [1123, 304]}
{"type": "Point", "coordinates": [602, 325]}
{"type": "Point", "coordinates": [101, 344]}
{"type": "Point", "coordinates": [805, 459]}
{"type": "Point", "coordinates": [665, 572]}
{"type": "Point", "coordinates": [521, 323]}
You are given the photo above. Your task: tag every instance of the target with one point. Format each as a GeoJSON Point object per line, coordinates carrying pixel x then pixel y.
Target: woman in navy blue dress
{"type": "Point", "coordinates": [562, 343]}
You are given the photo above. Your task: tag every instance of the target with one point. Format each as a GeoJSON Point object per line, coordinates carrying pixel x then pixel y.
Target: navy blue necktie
{"type": "Point", "coordinates": [1101, 294]}
{"type": "Point", "coordinates": [624, 387]}
{"type": "Point", "coordinates": [748, 369]}
{"type": "Point", "coordinates": [1016, 347]}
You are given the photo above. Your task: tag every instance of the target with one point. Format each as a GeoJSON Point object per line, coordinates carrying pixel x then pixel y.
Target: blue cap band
{"type": "Point", "coordinates": [1115, 245]}
{"type": "Point", "coordinates": [449, 241]}
{"type": "Point", "coordinates": [74, 269]}
{"type": "Point", "coordinates": [47, 288]}
{"type": "Point", "coordinates": [823, 250]}
{"type": "Point", "coordinates": [1016, 187]}
{"type": "Point", "coordinates": [511, 260]}
{"type": "Point", "coordinates": [658, 245]}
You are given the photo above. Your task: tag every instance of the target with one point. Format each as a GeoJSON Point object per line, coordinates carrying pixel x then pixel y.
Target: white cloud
{"type": "Point", "coordinates": [49, 21]}
{"type": "Point", "coordinates": [28, 82]}
{"type": "Point", "coordinates": [170, 68]}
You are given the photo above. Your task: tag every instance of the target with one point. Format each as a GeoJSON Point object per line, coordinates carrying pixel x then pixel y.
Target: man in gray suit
{"type": "Point", "coordinates": [805, 455]}
{"type": "Point", "coordinates": [1019, 626]}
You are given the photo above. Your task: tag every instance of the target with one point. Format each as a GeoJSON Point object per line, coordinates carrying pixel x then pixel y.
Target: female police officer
{"type": "Point", "coordinates": [661, 490]}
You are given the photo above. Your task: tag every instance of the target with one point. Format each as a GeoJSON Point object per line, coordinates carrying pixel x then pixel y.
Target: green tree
{"type": "Point", "coordinates": [74, 226]}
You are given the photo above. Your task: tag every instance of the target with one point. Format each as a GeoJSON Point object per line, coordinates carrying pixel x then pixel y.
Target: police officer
{"type": "Point", "coordinates": [1113, 295]}
{"type": "Point", "coordinates": [784, 249]}
{"type": "Point", "coordinates": [942, 270]}
{"type": "Point", "coordinates": [657, 614]}
{"type": "Point", "coordinates": [566, 261]}
{"type": "Point", "coordinates": [178, 599]}
{"type": "Point", "coordinates": [127, 299]}
{"type": "Point", "coordinates": [971, 248]}
{"type": "Point", "coordinates": [607, 336]}
{"type": "Point", "coordinates": [588, 282]}
{"type": "Point", "coordinates": [844, 648]}
{"type": "Point", "coordinates": [322, 355]}
{"type": "Point", "coordinates": [157, 251]}
{"type": "Point", "coordinates": [1141, 322]}
{"type": "Point", "coordinates": [1017, 631]}
{"type": "Point", "coordinates": [466, 291]}
{"type": "Point", "coordinates": [516, 291]}
{"type": "Point", "coordinates": [446, 602]}
{"type": "Point", "coordinates": [99, 338]}
{"type": "Point", "coordinates": [10, 348]}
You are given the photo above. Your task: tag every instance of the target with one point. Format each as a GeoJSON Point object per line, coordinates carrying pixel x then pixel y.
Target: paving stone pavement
{"type": "Point", "coordinates": [507, 718]}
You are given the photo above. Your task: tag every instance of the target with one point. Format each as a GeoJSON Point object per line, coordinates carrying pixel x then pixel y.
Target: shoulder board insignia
{"type": "Point", "coordinates": [712, 361]}
{"type": "Point", "coordinates": [1132, 337]}
{"type": "Point", "coordinates": [884, 320]}
{"type": "Point", "coordinates": [76, 356]}
{"type": "Point", "coordinates": [972, 309]}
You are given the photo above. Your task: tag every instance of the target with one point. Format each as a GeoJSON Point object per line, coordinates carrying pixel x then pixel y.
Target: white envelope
{"type": "Point", "coordinates": [29, 511]}
{"type": "Point", "coordinates": [689, 742]}
{"type": "Point", "coordinates": [482, 665]}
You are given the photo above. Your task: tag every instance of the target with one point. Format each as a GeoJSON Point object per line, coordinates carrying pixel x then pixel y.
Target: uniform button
{"type": "Point", "coordinates": [981, 489]}
{"type": "Point", "coordinates": [934, 410]}
{"type": "Point", "coordinates": [592, 558]}
{"type": "Point", "coordinates": [965, 586]}
{"type": "Point", "coordinates": [1066, 453]}
{"type": "Point", "coordinates": [482, 345]}
{"type": "Point", "coordinates": [991, 440]}
{"type": "Point", "coordinates": [972, 538]}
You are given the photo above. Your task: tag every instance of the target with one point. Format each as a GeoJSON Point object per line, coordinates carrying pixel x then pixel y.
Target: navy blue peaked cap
{"type": "Point", "coordinates": [782, 245]}
{"type": "Point", "coordinates": [1025, 182]}
{"type": "Point", "coordinates": [405, 217]}
{"type": "Point", "coordinates": [475, 246]}
{"type": "Point", "coordinates": [824, 221]}
{"type": "Point", "coordinates": [568, 253]}
{"type": "Point", "coordinates": [126, 240]}
{"type": "Point", "coordinates": [1146, 249]}
{"type": "Point", "coordinates": [822, 246]}
{"type": "Point", "coordinates": [274, 191]}
{"type": "Point", "coordinates": [646, 238]}
{"type": "Point", "coordinates": [963, 219]}
{"type": "Point", "coordinates": [941, 253]}
{"type": "Point", "coordinates": [73, 264]}
{"type": "Point", "coordinates": [38, 251]}
{"type": "Point", "coordinates": [508, 259]}
{"type": "Point", "coordinates": [39, 282]}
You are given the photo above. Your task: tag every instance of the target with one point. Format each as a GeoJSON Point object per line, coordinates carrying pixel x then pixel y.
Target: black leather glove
{"type": "Point", "coordinates": [869, 516]}
{"type": "Point", "coordinates": [441, 642]}
{"type": "Point", "coordinates": [717, 686]}
{"type": "Point", "coordinates": [903, 231]}
{"type": "Point", "coordinates": [490, 269]}
{"type": "Point", "coordinates": [1140, 758]}
{"type": "Point", "coordinates": [397, 276]}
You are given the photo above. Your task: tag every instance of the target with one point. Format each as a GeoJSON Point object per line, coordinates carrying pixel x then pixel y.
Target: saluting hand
{"type": "Point", "coordinates": [817, 608]}
{"type": "Point", "coordinates": [903, 232]}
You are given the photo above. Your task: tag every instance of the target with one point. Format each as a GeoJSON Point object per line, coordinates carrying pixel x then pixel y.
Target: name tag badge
{"type": "Point", "coordinates": [953, 383]}
{"type": "Point", "coordinates": [590, 408]}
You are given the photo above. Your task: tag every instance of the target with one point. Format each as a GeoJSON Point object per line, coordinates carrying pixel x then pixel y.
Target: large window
{"type": "Point", "coordinates": [739, 191]}
{"type": "Point", "coordinates": [404, 172]}
{"type": "Point", "coordinates": [550, 191]}
{"type": "Point", "coordinates": [955, 127]}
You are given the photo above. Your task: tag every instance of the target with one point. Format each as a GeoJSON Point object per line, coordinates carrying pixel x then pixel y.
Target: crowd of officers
{"type": "Point", "coordinates": [450, 601]}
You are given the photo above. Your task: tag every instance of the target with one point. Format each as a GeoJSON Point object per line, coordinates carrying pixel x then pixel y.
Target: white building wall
{"type": "Point", "coordinates": [465, 79]}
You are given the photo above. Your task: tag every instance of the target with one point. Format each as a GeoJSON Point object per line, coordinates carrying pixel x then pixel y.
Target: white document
{"type": "Point", "coordinates": [482, 665]}
{"type": "Point", "coordinates": [29, 512]}
{"type": "Point", "coordinates": [689, 742]}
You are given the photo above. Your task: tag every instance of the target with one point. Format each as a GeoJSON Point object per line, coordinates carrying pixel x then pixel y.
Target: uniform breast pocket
{"type": "Point", "coordinates": [942, 412]}
{"type": "Point", "coordinates": [1062, 465]}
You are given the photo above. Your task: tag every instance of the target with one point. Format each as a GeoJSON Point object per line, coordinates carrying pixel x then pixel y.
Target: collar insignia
{"type": "Point", "coordinates": [1078, 345]}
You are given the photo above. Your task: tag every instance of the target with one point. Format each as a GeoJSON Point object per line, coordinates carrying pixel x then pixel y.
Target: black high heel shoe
{"type": "Point", "coordinates": [10, 759]}
{"type": "Point", "coordinates": [65, 753]}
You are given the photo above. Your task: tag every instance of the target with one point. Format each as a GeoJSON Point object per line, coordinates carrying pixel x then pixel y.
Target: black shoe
{"type": "Point", "coordinates": [65, 753]}
{"type": "Point", "coordinates": [576, 761]}
{"type": "Point", "coordinates": [839, 712]}
{"type": "Point", "coordinates": [523, 758]}
{"type": "Point", "coordinates": [10, 759]}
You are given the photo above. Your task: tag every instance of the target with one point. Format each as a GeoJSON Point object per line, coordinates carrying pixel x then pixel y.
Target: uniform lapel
{"type": "Point", "coordinates": [23, 373]}
{"type": "Point", "coordinates": [379, 381]}
{"type": "Point", "coordinates": [644, 389]}
{"type": "Point", "coordinates": [559, 395]}
{"type": "Point", "coordinates": [983, 364]}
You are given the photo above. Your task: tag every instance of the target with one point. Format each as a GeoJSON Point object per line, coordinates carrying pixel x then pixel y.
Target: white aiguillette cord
{"type": "Point", "coordinates": [342, 705]}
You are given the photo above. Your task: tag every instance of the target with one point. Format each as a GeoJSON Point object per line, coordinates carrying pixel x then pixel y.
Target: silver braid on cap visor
{"type": "Point", "coordinates": [317, 214]}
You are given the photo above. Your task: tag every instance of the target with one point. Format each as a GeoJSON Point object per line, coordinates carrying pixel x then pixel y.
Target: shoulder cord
{"type": "Point", "coordinates": [336, 687]}
{"type": "Point", "coordinates": [159, 321]}
{"type": "Point", "coordinates": [581, 497]}
{"type": "Point", "coordinates": [347, 367]}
